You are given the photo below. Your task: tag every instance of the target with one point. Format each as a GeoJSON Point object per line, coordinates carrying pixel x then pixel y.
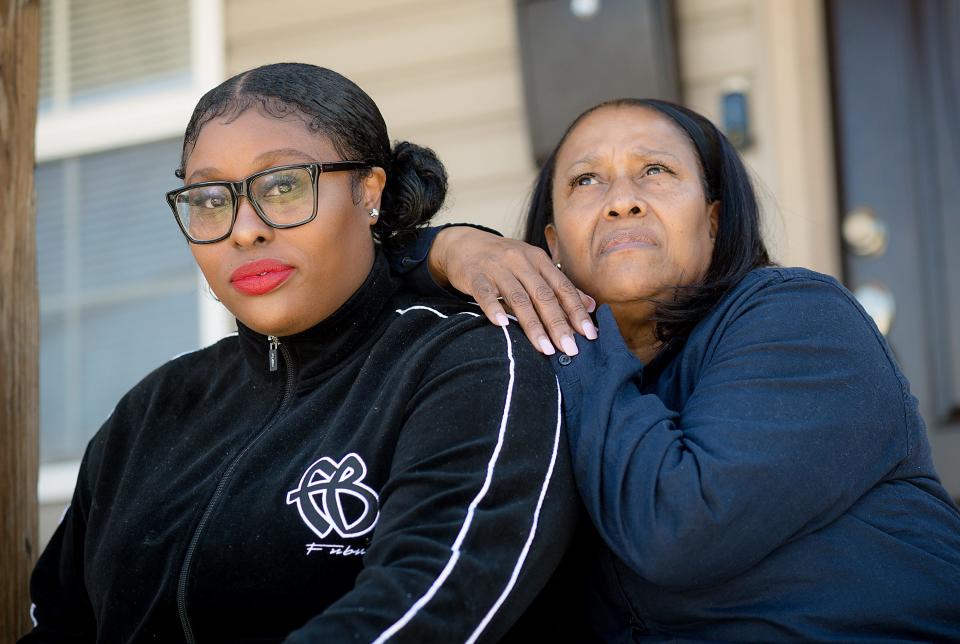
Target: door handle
{"type": "Point", "coordinates": [864, 233]}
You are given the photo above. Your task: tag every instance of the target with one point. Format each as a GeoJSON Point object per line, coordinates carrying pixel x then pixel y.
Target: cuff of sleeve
{"type": "Point", "coordinates": [411, 258]}
{"type": "Point", "coordinates": [411, 264]}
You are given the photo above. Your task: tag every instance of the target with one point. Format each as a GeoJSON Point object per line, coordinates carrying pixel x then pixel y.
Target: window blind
{"type": "Point", "coordinates": [117, 286]}
{"type": "Point", "coordinates": [111, 48]}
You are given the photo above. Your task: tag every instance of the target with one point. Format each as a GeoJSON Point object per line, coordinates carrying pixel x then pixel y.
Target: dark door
{"type": "Point", "coordinates": [896, 72]}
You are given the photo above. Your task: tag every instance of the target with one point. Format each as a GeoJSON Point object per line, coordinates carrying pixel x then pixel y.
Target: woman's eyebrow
{"type": "Point", "coordinates": [588, 160]}
{"type": "Point", "coordinates": [637, 153]}
{"type": "Point", "coordinates": [645, 153]}
{"type": "Point", "coordinates": [283, 154]}
{"type": "Point", "coordinates": [203, 174]}
{"type": "Point", "coordinates": [264, 160]}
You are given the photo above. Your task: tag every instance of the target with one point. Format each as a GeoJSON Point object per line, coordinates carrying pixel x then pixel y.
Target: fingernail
{"type": "Point", "coordinates": [545, 346]}
{"type": "Point", "coordinates": [589, 330]}
{"type": "Point", "coordinates": [592, 306]}
{"type": "Point", "coordinates": [502, 319]}
{"type": "Point", "coordinates": [569, 345]}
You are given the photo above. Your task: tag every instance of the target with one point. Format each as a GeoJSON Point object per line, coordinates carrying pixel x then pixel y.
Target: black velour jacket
{"type": "Point", "coordinates": [401, 476]}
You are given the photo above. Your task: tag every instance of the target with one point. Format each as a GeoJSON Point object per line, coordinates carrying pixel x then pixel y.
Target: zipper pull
{"type": "Point", "coordinates": [274, 344]}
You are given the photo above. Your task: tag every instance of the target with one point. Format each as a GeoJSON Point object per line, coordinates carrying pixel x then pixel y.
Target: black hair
{"type": "Point", "coordinates": [738, 246]}
{"type": "Point", "coordinates": [333, 106]}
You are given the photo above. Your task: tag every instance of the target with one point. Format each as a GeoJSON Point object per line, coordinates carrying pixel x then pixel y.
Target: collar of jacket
{"type": "Point", "coordinates": [333, 339]}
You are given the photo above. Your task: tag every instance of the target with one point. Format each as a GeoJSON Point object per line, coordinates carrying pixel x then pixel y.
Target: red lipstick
{"type": "Point", "coordinates": [261, 276]}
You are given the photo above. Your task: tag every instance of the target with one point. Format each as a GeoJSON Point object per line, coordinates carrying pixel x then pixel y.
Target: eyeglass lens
{"type": "Point", "coordinates": [285, 197]}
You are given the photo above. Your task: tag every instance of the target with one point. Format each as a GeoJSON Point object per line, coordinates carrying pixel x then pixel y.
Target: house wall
{"type": "Point", "coordinates": [447, 75]}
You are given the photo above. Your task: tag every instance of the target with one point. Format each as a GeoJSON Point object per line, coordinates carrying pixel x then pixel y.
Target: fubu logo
{"type": "Point", "coordinates": [327, 496]}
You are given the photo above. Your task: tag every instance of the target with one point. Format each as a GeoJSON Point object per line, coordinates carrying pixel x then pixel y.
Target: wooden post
{"type": "Point", "coordinates": [19, 315]}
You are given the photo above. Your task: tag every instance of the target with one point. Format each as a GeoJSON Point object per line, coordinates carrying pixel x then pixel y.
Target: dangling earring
{"type": "Point", "coordinates": [374, 213]}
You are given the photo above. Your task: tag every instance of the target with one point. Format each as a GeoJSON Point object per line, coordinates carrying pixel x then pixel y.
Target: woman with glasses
{"type": "Point", "coordinates": [357, 463]}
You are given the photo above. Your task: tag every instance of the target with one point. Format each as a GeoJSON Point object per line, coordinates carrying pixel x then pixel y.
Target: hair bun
{"type": "Point", "coordinates": [415, 191]}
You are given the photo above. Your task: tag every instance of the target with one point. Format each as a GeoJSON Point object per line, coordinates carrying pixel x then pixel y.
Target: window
{"type": "Point", "coordinates": [97, 50]}
{"type": "Point", "coordinates": [114, 73]}
{"type": "Point", "coordinates": [118, 287]}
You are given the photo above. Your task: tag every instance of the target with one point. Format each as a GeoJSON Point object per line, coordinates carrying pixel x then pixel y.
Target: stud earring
{"type": "Point", "coordinates": [559, 266]}
{"type": "Point", "coordinates": [374, 213]}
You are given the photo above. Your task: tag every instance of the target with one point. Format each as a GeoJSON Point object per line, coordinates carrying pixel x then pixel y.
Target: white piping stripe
{"type": "Point", "coordinates": [420, 307]}
{"type": "Point", "coordinates": [455, 548]}
{"type": "Point", "coordinates": [533, 530]}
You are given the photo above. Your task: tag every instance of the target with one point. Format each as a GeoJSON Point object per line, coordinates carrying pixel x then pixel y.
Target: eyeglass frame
{"type": "Point", "coordinates": [241, 188]}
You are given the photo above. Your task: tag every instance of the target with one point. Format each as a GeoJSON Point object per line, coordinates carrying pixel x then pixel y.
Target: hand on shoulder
{"type": "Point", "coordinates": [509, 276]}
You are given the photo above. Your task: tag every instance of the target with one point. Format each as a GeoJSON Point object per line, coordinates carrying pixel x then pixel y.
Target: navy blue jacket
{"type": "Point", "coordinates": [769, 480]}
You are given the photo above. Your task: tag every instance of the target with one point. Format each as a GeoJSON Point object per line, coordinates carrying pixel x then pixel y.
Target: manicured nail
{"type": "Point", "coordinates": [545, 346]}
{"type": "Point", "coordinates": [592, 304]}
{"type": "Point", "coordinates": [502, 319]}
{"type": "Point", "coordinates": [589, 330]}
{"type": "Point", "coordinates": [569, 345]}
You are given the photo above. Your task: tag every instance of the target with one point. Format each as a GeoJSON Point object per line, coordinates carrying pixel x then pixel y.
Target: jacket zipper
{"type": "Point", "coordinates": [222, 483]}
{"type": "Point", "coordinates": [272, 353]}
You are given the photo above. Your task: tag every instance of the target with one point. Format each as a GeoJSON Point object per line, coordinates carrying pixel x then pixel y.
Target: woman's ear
{"type": "Point", "coordinates": [372, 188]}
{"type": "Point", "coordinates": [550, 232]}
{"type": "Point", "coordinates": [713, 211]}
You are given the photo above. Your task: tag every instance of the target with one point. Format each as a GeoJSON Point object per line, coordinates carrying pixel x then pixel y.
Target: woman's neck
{"type": "Point", "coordinates": [637, 328]}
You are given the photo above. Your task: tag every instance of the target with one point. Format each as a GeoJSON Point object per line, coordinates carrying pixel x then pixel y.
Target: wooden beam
{"type": "Point", "coordinates": [19, 317]}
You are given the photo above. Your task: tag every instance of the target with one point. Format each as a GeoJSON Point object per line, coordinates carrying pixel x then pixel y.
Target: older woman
{"type": "Point", "coordinates": [356, 464]}
{"type": "Point", "coordinates": [744, 442]}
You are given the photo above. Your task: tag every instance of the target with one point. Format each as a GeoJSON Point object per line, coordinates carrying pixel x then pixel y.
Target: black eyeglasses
{"type": "Point", "coordinates": [283, 197]}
